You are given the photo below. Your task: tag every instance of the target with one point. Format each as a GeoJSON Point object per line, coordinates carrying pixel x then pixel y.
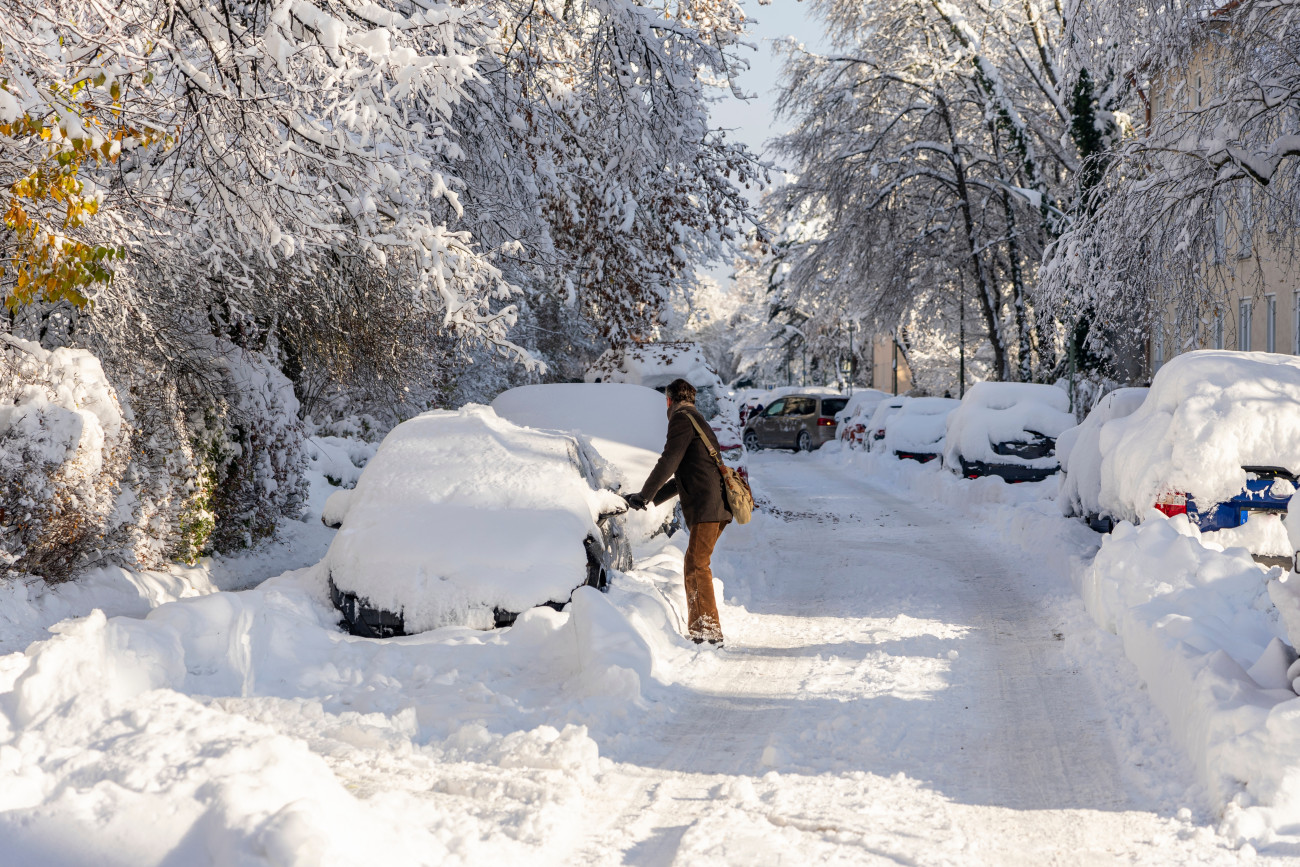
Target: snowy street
{"type": "Point", "coordinates": [893, 691]}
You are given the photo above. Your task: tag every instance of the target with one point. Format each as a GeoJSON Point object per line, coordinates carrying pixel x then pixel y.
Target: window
{"type": "Point", "coordinates": [1218, 326]}
{"type": "Point", "coordinates": [1243, 326]}
{"type": "Point", "coordinates": [1295, 322]}
{"type": "Point", "coordinates": [800, 406]}
{"type": "Point", "coordinates": [775, 408]}
{"type": "Point", "coordinates": [833, 405]}
{"type": "Point", "coordinates": [1158, 349]}
{"type": "Point", "coordinates": [1199, 92]}
{"type": "Point", "coordinates": [1247, 229]}
{"type": "Point", "coordinates": [1220, 231]}
{"type": "Point", "coordinates": [1270, 323]}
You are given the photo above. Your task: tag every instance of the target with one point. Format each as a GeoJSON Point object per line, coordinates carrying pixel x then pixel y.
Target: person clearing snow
{"type": "Point", "coordinates": [687, 469]}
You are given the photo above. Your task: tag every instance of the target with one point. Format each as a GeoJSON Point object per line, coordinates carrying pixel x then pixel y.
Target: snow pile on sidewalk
{"type": "Point", "coordinates": [1198, 624]}
{"type": "Point", "coordinates": [247, 728]}
{"type": "Point", "coordinates": [1005, 412]}
{"type": "Point", "coordinates": [1208, 414]}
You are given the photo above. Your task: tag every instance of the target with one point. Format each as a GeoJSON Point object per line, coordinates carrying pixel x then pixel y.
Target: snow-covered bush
{"type": "Point", "coordinates": [248, 444]}
{"type": "Point", "coordinates": [1006, 412]}
{"type": "Point", "coordinates": [1209, 414]}
{"type": "Point", "coordinates": [64, 444]}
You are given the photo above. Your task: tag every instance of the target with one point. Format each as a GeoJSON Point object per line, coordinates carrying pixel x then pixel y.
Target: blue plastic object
{"type": "Point", "coordinates": [1257, 497]}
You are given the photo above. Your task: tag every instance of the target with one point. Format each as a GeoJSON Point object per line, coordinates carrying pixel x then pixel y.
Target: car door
{"type": "Point", "coordinates": [801, 413]}
{"type": "Point", "coordinates": [766, 424]}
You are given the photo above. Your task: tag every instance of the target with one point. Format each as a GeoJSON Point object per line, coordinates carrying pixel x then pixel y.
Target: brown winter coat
{"type": "Point", "coordinates": [685, 469]}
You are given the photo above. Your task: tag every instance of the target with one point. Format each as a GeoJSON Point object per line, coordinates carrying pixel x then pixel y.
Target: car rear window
{"type": "Point", "coordinates": [834, 405]}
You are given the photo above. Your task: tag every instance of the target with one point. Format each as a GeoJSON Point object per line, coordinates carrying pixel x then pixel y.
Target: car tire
{"type": "Point", "coordinates": [804, 443]}
{"type": "Point", "coordinates": [751, 441]}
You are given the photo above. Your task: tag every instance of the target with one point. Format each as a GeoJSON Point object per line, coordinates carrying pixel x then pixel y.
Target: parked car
{"type": "Point", "coordinates": [886, 409]}
{"type": "Point", "coordinates": [1007, 429]}
{"type": "Point", "coordinates": [852, 421]}
{"type": "Point", "coordinates": [916, 431]}
{"type": "Point", "coordinates": [463, 518]}
{"type": "Point", "coordinates": [1079, 451]}
{"type": "Point", "coordinates": [1217, 438]}
{"type": "Point", "coordinates": [797, 421]}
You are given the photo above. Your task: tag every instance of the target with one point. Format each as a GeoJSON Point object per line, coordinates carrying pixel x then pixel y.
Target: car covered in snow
{"type": "Point", "coordinates": [655, 365]}
{"type": "Point", "coordinates": [802, 422]}
{"type": "Point", "coordinates": [879, 420]}
{"type": "Point", "coordinates": [1007, 429]}
{"type": "Point", "coordinates": [1217, 439]}
{"type": "Point", "coordinates": [916, 432]}
{"type": "Point", "coordinates": [1079, 451]}
{"type": "Point", "coordinates": [851, 422]}
{"type": "Point", "coordinates": [464, 518]}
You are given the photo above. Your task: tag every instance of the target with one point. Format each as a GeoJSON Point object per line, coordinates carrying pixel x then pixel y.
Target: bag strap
{"type": "Point", "coordinates": [713, 453]}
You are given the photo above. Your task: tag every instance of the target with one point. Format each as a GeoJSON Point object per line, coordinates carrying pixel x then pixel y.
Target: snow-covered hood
{"type": "Point", "coordinates": [1208, 414]}
{"type": "Point", "coordinates": [461, 512]}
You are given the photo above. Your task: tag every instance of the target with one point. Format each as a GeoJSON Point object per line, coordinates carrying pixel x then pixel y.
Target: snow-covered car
{"type": "Point", "coordinates": [463, 518]}
{"type": "Point", "coordinates": [626, 424]}
{"type": "Point", "coordinates": [1216, 439]}
{"type": "Point", "coordinates": [802, 422]}
{"type": "Point", "coordinates": [851, 422]}
{"type": "Point", "coordinates": [1007, 429]}
{"type": "Point", "coordinates": [916, 432]}
{"type": "Point", "coordinates": [655, 365]}
{"type": "Point", "coordinates": [1079, 451]}
{"type": "Point", "coordinates": [886, 409]}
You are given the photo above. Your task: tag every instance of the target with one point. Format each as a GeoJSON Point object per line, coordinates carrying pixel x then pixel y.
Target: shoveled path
{"type": "Point", "coordinates": [895, 690]}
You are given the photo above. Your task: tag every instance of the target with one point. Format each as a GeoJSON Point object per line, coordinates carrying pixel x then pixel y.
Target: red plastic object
{"type": "Point", "coordinates": [1172, 504]}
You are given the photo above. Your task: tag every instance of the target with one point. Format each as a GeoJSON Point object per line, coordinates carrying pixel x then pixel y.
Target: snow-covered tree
{"type": "Point", "coordinates": [1180, 205]}
{"type": "Point", "coordinates": [935, 152]}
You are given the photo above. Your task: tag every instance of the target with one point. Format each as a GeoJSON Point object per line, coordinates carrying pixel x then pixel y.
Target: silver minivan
{"type": "Point", "coordinates": [796, 421]}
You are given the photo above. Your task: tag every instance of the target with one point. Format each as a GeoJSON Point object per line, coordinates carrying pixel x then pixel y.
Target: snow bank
{"type": "Point", "coordinates": [461, 512]}
{"type": "Point", "coordinates": [1079, 451]}
{"type": "Point", "coordinates": [654, 365]}
{"type": "Point", "coordinates": [1005, 412]}
{"type": "Point", "coordinates": [1196, 622]}
{"type": "Point", "coordinates": [919, 425]}
{"type": "Point", "coordinates": [1208, 414]}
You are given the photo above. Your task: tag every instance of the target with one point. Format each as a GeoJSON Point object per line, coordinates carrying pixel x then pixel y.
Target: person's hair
{"type": "Point", "coordinates": [680, 390]}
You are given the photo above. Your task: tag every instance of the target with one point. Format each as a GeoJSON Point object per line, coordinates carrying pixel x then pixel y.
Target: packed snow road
{"type": "Point", "coordinates": [894, 690]}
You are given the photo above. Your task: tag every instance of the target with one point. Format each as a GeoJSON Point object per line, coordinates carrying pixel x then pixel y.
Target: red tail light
{"type": "Point", "coordinates": [825, 422]}
{"type": "Point", "coordinates": [1172, 504]}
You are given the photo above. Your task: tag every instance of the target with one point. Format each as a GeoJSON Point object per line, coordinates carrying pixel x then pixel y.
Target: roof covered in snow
{"type": "Point", "coordinates": [461, 512]}
{"type": "Point", "coordinates": [654, 365]}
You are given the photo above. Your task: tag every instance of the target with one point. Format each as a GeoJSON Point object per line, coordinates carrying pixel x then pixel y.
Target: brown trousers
{"type": "Point", "coordinates": [701, 607]}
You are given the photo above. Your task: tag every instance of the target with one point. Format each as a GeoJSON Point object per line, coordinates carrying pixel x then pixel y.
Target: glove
{"type": "Point", "coordinates": [636, 501]}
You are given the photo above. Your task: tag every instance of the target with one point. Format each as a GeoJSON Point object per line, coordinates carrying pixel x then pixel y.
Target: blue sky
{"type": "Point", "coordinates": [753, 120]}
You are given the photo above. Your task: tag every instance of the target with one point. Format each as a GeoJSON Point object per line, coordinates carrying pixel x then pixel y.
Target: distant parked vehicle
{"type": "Point", "coordinates": [1079, 451]}
{"type": "Point", "coordinates": [797, 421]}
{"type": "Point", "coordinates": [1007, 429]}
{"type": "Point", "coordinates": [886, 409]}
{"type": "Point", "coordinates": [916, 431]}
{"type": "Point", "coordinates": [852, 421]}
{"type": "Point", "coordinates": [463, 518]}
{"type": "Point", "coordinates": [1217, 438]}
